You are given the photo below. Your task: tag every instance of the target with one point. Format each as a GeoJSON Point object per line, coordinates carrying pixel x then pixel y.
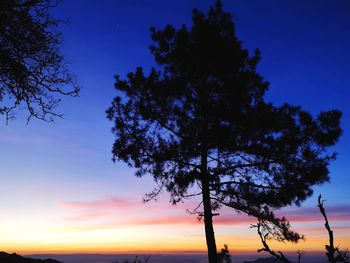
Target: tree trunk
{"type": "Point", "coordinates": [330, 249]}
{"type": "Point", "coordinates": [208, 216]}
{"type": "Point", "coordinates": [208, 224]}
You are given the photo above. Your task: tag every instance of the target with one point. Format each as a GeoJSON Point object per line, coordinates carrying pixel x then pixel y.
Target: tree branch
{"type": "Point", "coordinates": [263, 238]}
{"type": "Point", "coordinates": [248, 184]}
{"type": "Point", "coordinates": [334, 254]}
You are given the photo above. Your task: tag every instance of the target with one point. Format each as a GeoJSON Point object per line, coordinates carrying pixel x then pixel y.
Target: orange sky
{"type": "Point", "coordinates": [114, 224]}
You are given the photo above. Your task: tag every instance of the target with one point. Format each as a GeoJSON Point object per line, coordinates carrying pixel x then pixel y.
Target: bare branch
{"type": "Point", "coordinates": [32, 70]}
{"type": "Point", "coordinates": [334, 254]}
{"type": "Point", "coordinates": [263, 238]}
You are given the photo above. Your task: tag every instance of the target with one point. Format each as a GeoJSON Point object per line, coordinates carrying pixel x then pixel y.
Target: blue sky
{"type": "Point", "coordinates": [304, 48]}
{"type": "Point", "coordinates": [48, 167]}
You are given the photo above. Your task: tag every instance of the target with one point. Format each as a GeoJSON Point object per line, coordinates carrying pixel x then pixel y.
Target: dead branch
{"type": "Point", "coordinates": [334, 254]}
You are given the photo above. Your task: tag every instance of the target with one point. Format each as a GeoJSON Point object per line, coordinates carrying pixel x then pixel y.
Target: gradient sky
{"type": "Point", "coordinates": [60, 192]}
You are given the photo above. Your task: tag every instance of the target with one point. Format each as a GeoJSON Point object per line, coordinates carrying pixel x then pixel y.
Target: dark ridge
{"type": "Point", "coordinates": [14, 258]}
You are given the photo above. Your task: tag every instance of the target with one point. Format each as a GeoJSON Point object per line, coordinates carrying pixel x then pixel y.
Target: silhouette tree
{"type": "Point", "coordinates": [224, 256]}
{"type": "Point", "coordinates": [199, 121]}
{"type": "Point", "coordinates": [334, 254]}
{"type": "Point", "coordinates": [32, 71]}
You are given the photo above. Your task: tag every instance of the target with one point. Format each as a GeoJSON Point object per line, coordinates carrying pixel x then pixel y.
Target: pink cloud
{"type": "Point", "coordinates": [96, 209]}
{"type": "Point", "coordinates": [187, 219]}
{"type": "Point", "coordinates": [234, 219]}
{"type": "Point", "coordinates": [115, 212]}
{"type": "Point", "coordinates": [166, 220]}
{"type": "Point", "coordinates": [116, 208]}
{"type": "Point", "coordinates": [337, 213]}
{"type": "Point", "coordinates": [88, 216]}
{"type": "Point", "coordinates": [112, 202]}
{"type": "Point", "coordinates": [340, 231]}
{"type": "Point", "coordinates": [113, 220]}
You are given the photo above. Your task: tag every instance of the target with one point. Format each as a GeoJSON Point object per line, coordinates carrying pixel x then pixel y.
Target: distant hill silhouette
{"type": "Point", "coordinates": [14, 258]}
{"type": "Point", "coordinates": [264, 260]}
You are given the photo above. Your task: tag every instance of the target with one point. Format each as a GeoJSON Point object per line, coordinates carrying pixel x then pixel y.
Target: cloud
{"type": "Point", "coordinates": [96, 209]}
{"type": "Point", "coordinates": [110, 203]}
{"type": "Point", "coordinates": [84, 216]}
{"type": "Point", "coordinates": [115, 212]}
{"type": "Point", "coordinates": [319, 230]}
{"type": "Point", "coordinates": [116, 206]}
{"type": "Point", "coordinates": [184, 220]}
{"type": "Point", "coordinates": [336, 213]}
{"type": "Point", "coordinates": [91, 219]}
{"type": "Point", "coordinates": [234, 219]}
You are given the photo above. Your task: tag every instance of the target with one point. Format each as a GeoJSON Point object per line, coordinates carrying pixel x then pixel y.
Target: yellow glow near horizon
{"type": "Point", "coordinates": [80, 228]}
{"type": "Point", "coordinates": [165, 238]}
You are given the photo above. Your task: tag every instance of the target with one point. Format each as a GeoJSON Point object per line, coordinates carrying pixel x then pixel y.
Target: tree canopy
{"type": "Point", "coordinates": [32, 70]}
{"type": "Point", "coordinates": [199, 120]}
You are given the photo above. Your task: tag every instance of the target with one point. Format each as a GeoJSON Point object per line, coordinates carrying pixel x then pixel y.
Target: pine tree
{"type": "Point", "coordinates": [199, 121]}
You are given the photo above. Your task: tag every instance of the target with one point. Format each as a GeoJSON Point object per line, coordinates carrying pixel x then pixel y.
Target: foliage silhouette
{"type": "Point", "coordinates": [199, 121]}
{"type": "Point", "coordinates": [224, 256]}
{"type": "Point", "coordinates": [32, 70]}
{"type": "Point", "coordinates": [334, 254]}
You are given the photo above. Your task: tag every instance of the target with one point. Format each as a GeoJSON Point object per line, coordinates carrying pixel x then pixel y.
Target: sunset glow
{"type": "Point", "coordinates": [60, 192]}
{"type": "Point", "coordinates": [115, 225]}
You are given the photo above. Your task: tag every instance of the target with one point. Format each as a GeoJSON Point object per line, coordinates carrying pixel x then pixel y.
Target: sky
{"type": "Point", "coordinates": [60, 192]}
